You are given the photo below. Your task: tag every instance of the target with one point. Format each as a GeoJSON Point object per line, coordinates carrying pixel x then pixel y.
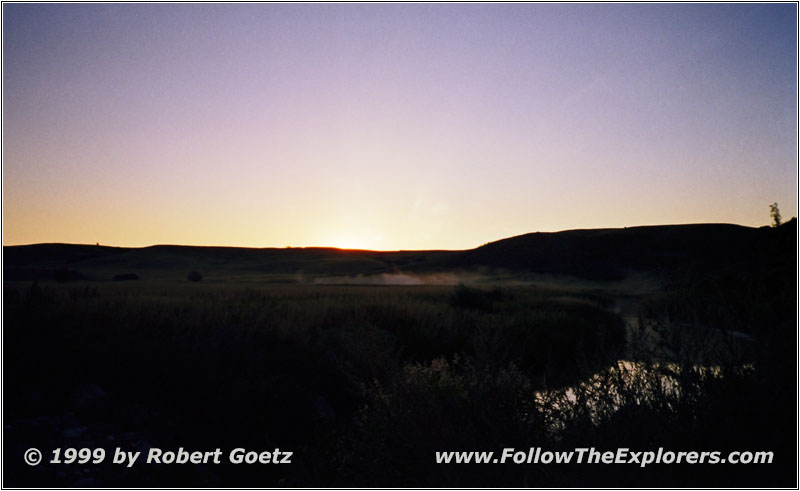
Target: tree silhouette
{"type": "Point", "coordinates": [775, 214]}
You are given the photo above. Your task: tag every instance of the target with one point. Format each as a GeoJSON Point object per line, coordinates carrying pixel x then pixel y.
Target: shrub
{"type": "Point", "coordinates": [194, 276]}
{"type": "Point", "coordinates": [443, 405]}
{"type": "Point", "coordinates": [467, 298]}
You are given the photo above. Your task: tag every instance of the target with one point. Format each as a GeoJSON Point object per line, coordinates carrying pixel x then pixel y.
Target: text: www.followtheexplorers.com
{"type": "Point", "coordinates": [536, 455]}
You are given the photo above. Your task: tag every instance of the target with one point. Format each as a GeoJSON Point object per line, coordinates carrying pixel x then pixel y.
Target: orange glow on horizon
{"type": "Point", "coordinates": [389, 126]}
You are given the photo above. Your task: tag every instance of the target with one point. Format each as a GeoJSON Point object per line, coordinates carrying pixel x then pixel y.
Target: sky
{"type": "Point", "coordinates": [391, 126]}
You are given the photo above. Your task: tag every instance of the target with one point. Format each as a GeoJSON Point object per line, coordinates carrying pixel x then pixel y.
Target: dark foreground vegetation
{"type": "Point", "coordinates": [364, 383]}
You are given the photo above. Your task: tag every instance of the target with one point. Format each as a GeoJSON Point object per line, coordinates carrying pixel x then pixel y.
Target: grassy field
{"type": "Point", "coordinates": [365, 382]}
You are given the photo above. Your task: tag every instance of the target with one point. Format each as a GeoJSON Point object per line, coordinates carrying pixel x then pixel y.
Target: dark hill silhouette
{"type": "Point", "coordinates": [607, 254]}
{"type": "Point", "coordinates": [598, 254]}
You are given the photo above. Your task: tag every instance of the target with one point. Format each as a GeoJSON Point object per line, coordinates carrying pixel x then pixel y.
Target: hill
{"type": "Point", "coordinates": [597, 254]}
{"type": "Point", "coordinates": [607, 254]}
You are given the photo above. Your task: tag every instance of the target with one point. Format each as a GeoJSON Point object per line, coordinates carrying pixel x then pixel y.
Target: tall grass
{"type": "Point", "coordinates": [364, 384]}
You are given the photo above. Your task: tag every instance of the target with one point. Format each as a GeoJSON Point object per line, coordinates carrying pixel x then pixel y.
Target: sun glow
{"type": "Point", "coordinates": [349, 242]}
{"type": "Point", "coordinates": [383, 126]}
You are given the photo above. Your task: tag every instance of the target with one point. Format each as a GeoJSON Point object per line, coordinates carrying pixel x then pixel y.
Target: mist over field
{"type": "Point", "coordinates": [398, 279]}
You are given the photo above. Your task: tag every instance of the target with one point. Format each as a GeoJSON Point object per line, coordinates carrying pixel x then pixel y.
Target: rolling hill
{"type": "Point", "coordinates": [597, 254]}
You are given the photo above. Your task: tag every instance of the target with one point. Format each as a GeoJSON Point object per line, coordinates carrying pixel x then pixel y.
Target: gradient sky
{"type": "Point", "coordinates": [402, 126]}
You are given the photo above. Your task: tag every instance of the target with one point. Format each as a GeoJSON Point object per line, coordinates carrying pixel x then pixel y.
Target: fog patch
{"type": "Point", "coordinates": [396, 279]}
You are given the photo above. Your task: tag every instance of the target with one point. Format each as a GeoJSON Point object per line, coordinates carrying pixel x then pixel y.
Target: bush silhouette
{"type": "Point", "coordinates": [464, 297]}
{"type": "Point", "coordinates": [775, 214]}
{"type": "Point", "coordinates": [194, 276]}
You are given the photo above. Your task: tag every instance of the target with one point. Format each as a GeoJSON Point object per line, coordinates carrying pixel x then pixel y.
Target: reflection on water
{"type": "Point", "coordinates": [626, 382]}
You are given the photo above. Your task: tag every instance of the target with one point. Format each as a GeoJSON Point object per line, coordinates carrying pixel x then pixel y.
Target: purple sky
{"type": "Point", "coordinates": [391, 126]}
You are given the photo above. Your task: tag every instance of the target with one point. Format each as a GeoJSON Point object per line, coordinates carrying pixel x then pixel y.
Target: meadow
{"type": "Point", "coordinates": [365, 382]}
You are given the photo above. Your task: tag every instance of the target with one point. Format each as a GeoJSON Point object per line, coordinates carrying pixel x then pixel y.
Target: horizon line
{"type": "Point", "coordinates": [356, 249]}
